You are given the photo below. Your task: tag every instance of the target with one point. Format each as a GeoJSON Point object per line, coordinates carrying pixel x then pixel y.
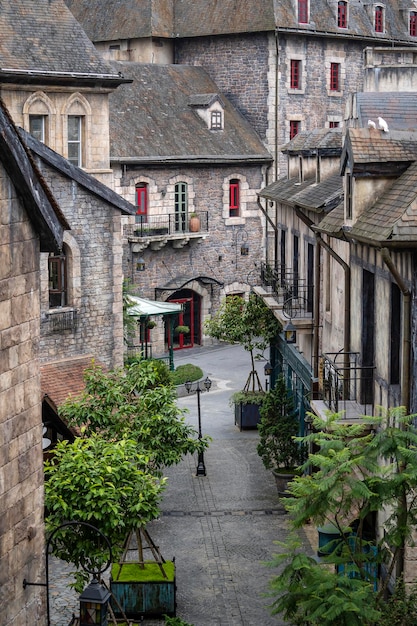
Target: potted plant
{"type": "Point", "coordinates": [278, 427]}
{"type": "Point", "coordinates": [181, 329]}
{"type": "Point", "coordinates": [252, 324]}
{"type": "Point", "coordinates": [194, 223]}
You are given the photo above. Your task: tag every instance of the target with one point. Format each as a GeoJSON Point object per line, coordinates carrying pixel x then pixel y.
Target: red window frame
{"type": "Point", "coordinates": [334, 124]}
{"type": "Point", "coordinates": [303, 11]}
{"type": "Point", "coordinates": [57, 273]}
{"type": "Point", "coordinates": [234, 198]}
{"type": "Point", "coordinates": [294, 128]}
{"type": "Point", "coordinates": [413, 23]}
{"type": "Point", "coordinates": [142, 203]}
{"type": "Point", "coordinates": [295, 74]}
{"type": "Point", "coordinates": [334, 76]}
{"type": "Point", "coordinates": [342, 14]}
{"type": "Point", "coordinates": [379, 19]}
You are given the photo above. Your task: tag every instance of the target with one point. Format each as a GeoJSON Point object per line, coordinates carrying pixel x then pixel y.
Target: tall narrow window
{"type": "Point", "coordinates": [334, 76]}
{"type": "Point", "coordinates": [395, 334]}
{"type": "Point", "coordinates": [57, 269]}
{"type": "Point", "coordinates": [295, 74]}
{"type": "Point", "coordinates": [216, 120]}
{"type": "Point", "coordinates": [379, 19]}
{"type": "Point", "coordinates": [234, 198]}
{"type": "Point", "coordinates": [349, 199]}
{"type": "Point", "coordinates": [413, 23]}
{"type": "Point", "coordinates": [181, 206]}
{"type": "Point", "coordinates": [37, 127]}
{"type": "Point", "coordinates": [310, 277]}
{"type": "Point", "coordinates": [303, 11]}
{"type": "Point", "coordinates": [75, 140]}
{"type": "Point", "coordinates": [294, 128]}
{"type": "Point", "coordinates": [283, 253]}
{"type": "Point", "coordinates": [295, 263]}
{"type": "Point", "coordinates": [142, 202]}
{"type": "Point", "coordinates": [342, 14]}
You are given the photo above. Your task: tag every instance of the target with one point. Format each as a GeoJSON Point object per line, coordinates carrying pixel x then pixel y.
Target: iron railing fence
{"type": "Point", "coordinates": [167, 224]}
{"type": "Point", "coordinates": [346, 385]}
{"type": "Point", "coordinates": [293, 293]}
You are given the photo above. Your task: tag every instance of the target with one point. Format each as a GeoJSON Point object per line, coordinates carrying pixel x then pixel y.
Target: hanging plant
{"type": "Point", "coordinates": [151, 324]}
{"type": "Point", "coordinates": [182, 329]}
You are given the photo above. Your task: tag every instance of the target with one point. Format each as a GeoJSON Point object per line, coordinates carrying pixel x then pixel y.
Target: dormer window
{"type": "Point", "coordinates": [209, 107]}
{"type": "Point", "coordinates": [413, 23]}
{"type": "Point", "coordinates": [342, 14]}
{"type": "Point", "coordinates": [303, 11]}
{"type": "Point", "coordinates": [216, 120]}
{"type": "Point", "coordinates": [379, 19]}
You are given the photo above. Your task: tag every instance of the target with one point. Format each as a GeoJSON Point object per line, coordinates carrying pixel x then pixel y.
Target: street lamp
{"type": "Point", "coordinates": [93, 604]}
{"type": "Point", "coordinates": [201, 468]}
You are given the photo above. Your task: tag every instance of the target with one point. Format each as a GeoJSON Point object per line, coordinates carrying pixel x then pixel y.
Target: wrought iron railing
{"type": "Point", "coordinates": [292, 292]}
{"type": "Point", "coordinates": [168, 224]}
{"type": "Point", "coordinates": [346, 385]}
{"type": "Point", "coordinates": [57, 321]}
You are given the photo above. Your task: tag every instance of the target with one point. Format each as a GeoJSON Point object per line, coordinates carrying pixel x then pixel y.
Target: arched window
{"type": "Point", "coordinates": [57, 276]}
{"type": "Point", "coordinates": [181, 206]}
{"type": "Point", "coordinates": [234, 197]}
{"type": "Point", "coordinates": [142, 203]}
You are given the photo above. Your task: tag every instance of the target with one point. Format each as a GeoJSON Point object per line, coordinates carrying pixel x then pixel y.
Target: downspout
{"type": "Point", "coordinates": [406, 324]}
{"type": "Point", "coordinates": [276, 101]}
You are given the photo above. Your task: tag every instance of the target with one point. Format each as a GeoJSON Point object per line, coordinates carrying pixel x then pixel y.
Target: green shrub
{"type": "Point", "coordinates": [190, 372]}
{"type": "Point", "coordinates": [175, 621]}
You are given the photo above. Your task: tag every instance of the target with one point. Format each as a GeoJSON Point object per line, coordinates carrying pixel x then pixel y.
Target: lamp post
{"type": "Point", "coordinates": [201, 468]}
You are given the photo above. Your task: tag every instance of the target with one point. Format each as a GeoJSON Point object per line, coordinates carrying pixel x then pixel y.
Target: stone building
{"type": "Point", "coordinates": [186, 153]}
{"type": "Point", "coordinates": [30, 221]}
{"type": "Point", "coordinates": [286, 66]}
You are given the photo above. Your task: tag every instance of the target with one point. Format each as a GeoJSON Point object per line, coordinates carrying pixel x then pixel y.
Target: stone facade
{"type": "Point", "coordinates": [21, 470]}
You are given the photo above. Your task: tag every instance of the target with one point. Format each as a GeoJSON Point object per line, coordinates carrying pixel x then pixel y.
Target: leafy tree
{"type": "Point", "coordinates": [247, 322]}
{"type": "Point", "coordinates": [350, 477]}
{"type": "Point", "coordinates": [104, 483]}
{"type": "Point", "coordinates": [138, 403]}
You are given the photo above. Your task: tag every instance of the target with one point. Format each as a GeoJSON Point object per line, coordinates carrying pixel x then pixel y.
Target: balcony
{"type": "Point", "coordinates": [284, 291]}
{"type": "Point", "coordinates": [157, 230]}
{"type": "Point", "coordinates": [344, 387]}
{"type": "Point", "coordinates": [59, 320]}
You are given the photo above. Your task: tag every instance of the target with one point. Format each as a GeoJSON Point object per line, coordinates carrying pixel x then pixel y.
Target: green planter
{"type": "Point", "coordinates": [144, 591]}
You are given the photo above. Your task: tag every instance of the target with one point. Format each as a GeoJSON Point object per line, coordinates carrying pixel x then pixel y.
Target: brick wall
{"type": "Point", "coordinates": [21, 470]}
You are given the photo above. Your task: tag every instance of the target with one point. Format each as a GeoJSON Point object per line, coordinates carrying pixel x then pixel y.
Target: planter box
{"type": "Point", "coordinates": [154, 596]}
{"type": "Point", "coordinates": [247, 416]}
{"type": "Point", "coordinates": [281, 480]}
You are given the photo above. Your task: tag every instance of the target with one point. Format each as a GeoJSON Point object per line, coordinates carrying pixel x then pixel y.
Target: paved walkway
{"type": "Point", "coordinates": [220, 527]}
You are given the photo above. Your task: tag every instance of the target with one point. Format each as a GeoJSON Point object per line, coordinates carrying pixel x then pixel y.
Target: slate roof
{"type": "Point", "coordinates": [316, 141]}
{"type": "Point", "coordinates": [399, 109]}
{"type": "Point", "coordinates": [59, 379]}
{"type": "Point", "coordinates": [318, 197]}
{"type": "Point", "coordinates": [43, 37]}
{"type": "Point", "coordinates": [332, 223]}
{"type": "Point", "coordinates": [365, 146]}
{"type": "Point", "coordinates": [151, 120]}
{"type": "Point", "coordinates": [106, 20]}
{"type": "Point", "coordinates": [89, 182]}
{"type": "Point", "coordinates": [393, 217]}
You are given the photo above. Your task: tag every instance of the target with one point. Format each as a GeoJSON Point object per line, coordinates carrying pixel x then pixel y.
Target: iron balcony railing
{"type": "Point", "coordinates": [169, 224]}
{"type": "Point", "coordinates": [57, 321]}
{"type": "Point", "coordinates": [346, 385]}
{"type": "Point", "coordinates": [293, 293]}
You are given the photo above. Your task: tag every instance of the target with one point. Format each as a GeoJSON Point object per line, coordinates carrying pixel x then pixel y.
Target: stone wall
{"type": "Point", "coordinates": [93, 246]}
{"type": "Point", "coordinates": [21, 470]}
{"type": "Point", "coordinates": [216, 254]}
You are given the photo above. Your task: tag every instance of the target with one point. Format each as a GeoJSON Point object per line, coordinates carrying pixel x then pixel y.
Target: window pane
{"type": "Point", "coordinates": [74, 140]}
{"type": "Point", "coordinates": [37, 126]}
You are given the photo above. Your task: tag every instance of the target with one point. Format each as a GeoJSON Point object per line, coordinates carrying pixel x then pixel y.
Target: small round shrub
{"type": "Point", "coordinates": [185, 372]}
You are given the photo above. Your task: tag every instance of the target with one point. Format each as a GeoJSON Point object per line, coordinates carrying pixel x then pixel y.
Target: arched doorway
{"type": "Point", "coordinates": [187, 323]}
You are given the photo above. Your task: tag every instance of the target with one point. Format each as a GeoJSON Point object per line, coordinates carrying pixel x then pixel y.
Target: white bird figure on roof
{"type": "Point", "coordinates": [371, 124]}
{"type": "Point", "coordinates": [382, 125]}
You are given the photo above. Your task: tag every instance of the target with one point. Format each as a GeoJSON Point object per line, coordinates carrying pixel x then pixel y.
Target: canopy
{"type": "Point", "coordinates": [142, 307]}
